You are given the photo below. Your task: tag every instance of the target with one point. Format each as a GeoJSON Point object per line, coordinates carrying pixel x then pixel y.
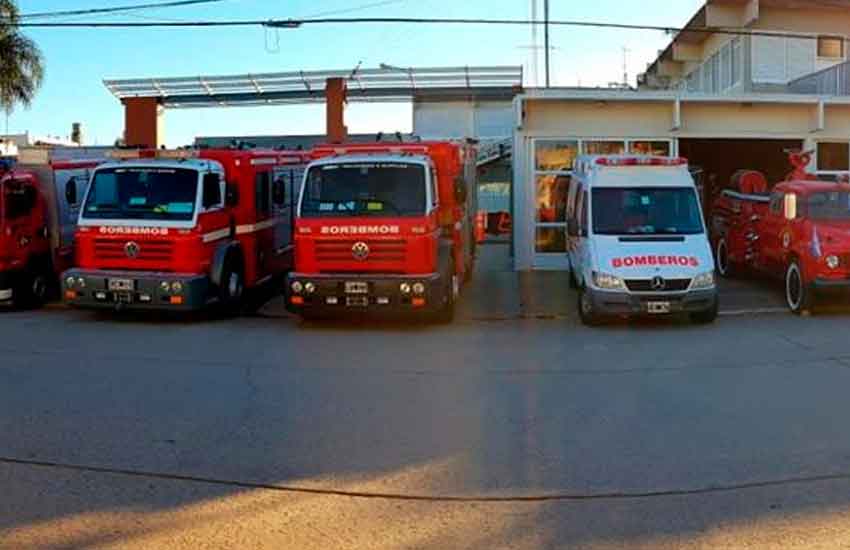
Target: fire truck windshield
{"type": "Point", "coordinates": [646, 211]}
{"type": "Point", "coordinates": [833, 205]}
{"type": "Point", "coordinates": [365, 189]}
{"type": "Point", "coordinates": [16, 200]}
{"type": "Point", "coordinates": [142, 193]}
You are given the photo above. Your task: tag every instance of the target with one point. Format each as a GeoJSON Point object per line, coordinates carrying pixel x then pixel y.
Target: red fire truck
{"type": "Point", "coordinates": [799, 231]}
{"type": "Point", "coordinates": [183, 229]}
{"type": "Point", "coordinates": [384, 227]}
{"type": "Point", "coordinates": [39, 203]}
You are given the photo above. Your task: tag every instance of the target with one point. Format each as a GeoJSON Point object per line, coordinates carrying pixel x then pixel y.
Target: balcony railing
{"type": "Point", "coordinates": [832, 81]}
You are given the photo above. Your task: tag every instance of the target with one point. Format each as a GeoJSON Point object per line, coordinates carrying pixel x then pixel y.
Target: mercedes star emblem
{"type": "Point", "coordinates": [360, 251]}
{"type": "Point", "coordinates": [658, 283]}
{"type": "Point", "coordinates": [131, 249]}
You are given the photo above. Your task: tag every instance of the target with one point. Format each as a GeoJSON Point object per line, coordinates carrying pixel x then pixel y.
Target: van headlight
{"type": "Point", "coordinates": [703, 280]}
{"type": "Point", "coordinates": [608, 282]}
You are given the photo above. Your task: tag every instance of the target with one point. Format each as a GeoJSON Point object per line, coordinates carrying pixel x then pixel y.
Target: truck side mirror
{"type": "Point", "coordinates": [71, 191]}
{"type": "Point", "coordinates": [279, 191]}
{"type": "Point", "coordinates": [460, 190]}
{"type": "Point", "coordinates": [572, 227]}
{"type": "Point", "coordinates": [231, 195]}
{"type": "Point", "coordinates": [212, 190]}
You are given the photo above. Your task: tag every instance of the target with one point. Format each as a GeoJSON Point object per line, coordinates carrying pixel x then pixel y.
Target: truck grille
{"type": "Point", "coordinates": [670, 285]}
{"type": "Point", "coordinates": [379, 251]}
{"type": "Point", "coordinates": [148, 251]}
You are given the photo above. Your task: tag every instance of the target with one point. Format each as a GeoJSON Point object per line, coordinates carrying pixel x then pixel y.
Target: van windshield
{"type": "Point", "coordinates": [646, 211]}
{"type": "Point", "coordinates": [142, 193]}
{"type": "Point", "coordinates": [365, 189]}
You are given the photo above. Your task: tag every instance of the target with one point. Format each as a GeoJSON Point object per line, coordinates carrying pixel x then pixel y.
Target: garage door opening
{"type": "Point", "coordinates": [716, 160]}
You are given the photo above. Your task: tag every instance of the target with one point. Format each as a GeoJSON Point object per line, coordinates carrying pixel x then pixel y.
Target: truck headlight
{"type": "Point", "coordinates": [310, 288]}
{"type": "Point", "coordinates": [165, 286]}
{"type": "Point", "coordinates": [81, 282]}
{"type": "Point", "coordinates": [297, 287]}
{"type": "Point", "coordinates": [176, 287]}
{"type": "Point", "coordinates": [832, 261]}
{"type": "Point", "coordinates": [70, 282]}
{"type": "Point", "coordinates": [703, 280]}
{"type": "Point", "coordinates": [404, 288]}
{"type": "Point", "coordinates": [608, 282]}
{"type": "Point", "coordinates": [418, 288]}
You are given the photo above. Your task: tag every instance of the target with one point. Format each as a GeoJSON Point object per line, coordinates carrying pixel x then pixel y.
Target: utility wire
{"type": "Point", "coordinates": [117, 9]}
{"type": "Point", "coordinates": [296, 23]}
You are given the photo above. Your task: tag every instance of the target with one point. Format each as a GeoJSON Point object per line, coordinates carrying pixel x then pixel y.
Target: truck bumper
{"type": "Point", "coordinates": [95, 289]}
{"type": "Point", "coordinates": [340, 294]}
{"type": "Point", "coordinates": [10, 279]}
{"type": "Point", "coordinates": [831, 285]}
{"type": "Point", "coordinates": [625, 303]}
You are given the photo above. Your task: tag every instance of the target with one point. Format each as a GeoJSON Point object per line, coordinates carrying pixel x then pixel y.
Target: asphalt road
{"type": "Point", "coordinates": [267, 433]}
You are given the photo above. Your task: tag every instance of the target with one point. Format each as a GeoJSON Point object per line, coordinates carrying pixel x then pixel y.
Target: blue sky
{"type": "Point", "coordinates": [78, 60]}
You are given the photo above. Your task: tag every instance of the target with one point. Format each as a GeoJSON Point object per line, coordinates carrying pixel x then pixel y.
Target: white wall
{"type": "Point", "coordinates": [463, 119]}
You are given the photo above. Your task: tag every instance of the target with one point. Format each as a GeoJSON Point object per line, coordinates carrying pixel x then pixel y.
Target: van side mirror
{"type": "Point", "coordinates": [71, 191]}
{"type": "Point", "coordinates": [460, 190]}
{"type": "Point", "coordinates": [212, 190]}
{"type": "Point", "coordinates": [572, 227]}
{"type": "Point", "coordinates": [231, 197]}
{"type": "Point", "coordinates": [279, 191]}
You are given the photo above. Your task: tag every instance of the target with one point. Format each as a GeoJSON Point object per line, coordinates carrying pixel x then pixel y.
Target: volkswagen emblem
{"type": "Point", "coordinates": [131, 249]}
{"type": "Point", "coordinates": [360, 250]}
{"type": "Point", "coordinates": [658, 283]}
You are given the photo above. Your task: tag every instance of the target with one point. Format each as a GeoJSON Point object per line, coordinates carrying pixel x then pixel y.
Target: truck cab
{"type": "Point", "coordinates": [39, 199]}
{"type": "Point", "coordinates": [183, 229]}
{"type": "Point", "coordinates": [636, 239]}
{"type": "Point", "coordinates": [384, 229]}
{"type": "Point", "coordinates": [798, 231]}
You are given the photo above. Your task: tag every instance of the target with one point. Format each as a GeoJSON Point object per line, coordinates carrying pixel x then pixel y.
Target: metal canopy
{"type": "Point", "coordinates": [387, 84]}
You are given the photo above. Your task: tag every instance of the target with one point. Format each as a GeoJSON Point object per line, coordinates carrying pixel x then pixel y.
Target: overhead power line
{"type": "Point", "coordinates": [117, 9]}
{"type": "Point", "coordinates": [296, 23]}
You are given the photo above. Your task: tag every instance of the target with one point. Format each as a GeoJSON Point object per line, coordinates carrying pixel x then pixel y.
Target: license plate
{"type": "Point", "coordinates": [121, 285]}
{"type": "Point", "coordinates": [357, 301]}
{"type": "Point", "coordinates": [658, 307]}
{"type": "Point", "coordinates": [356, 287]}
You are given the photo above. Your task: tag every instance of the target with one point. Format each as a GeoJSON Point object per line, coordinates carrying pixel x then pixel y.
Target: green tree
{"type": "Point", "coordinates": [21, 62]}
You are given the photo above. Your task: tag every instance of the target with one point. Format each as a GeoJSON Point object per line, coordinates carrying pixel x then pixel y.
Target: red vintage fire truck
{"type": "Point", "coordinates": [799, 231]}
{"type": "Point", "coordinates": [384, 227]}
{"type": "Point", "coordinates": [39, 203]}
{"type": "Point", "coordinates": [183, 229]}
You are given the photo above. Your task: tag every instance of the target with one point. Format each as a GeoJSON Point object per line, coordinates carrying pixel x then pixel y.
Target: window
{"type": "Point", "coordinates": [434, 189]}
{"type": "Point", "coordinates": [776, 203]}
{"type": "Point", "coordinates": [143, 193]}
{"type": "Point", "coordinates": [604, 147]}
{"type": "Point", "coordinates": [833, 205]}
{"type": "Point", "coordinates": [555, 156]}
{"type": "Point", "coordinates": [660, 148]}
{"type": "Point", "coordinates": [583, 215]}
{"type": "Point", "coordinates": [646, 211]}
{"type": "Point", "coordinates": [833, 156]}
{"type": "Point", "coordinates": [552, 192]}
{"type": "Point", "coordinates": [18, 200]}
{"type": "Point", "coordinates": [831, 47]}
{"type": "Point", "coordinates": [262, 189]}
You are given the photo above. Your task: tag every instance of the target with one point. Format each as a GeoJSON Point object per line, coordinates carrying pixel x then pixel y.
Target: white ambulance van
{"type": "Point", "coordinates": [637, 241]}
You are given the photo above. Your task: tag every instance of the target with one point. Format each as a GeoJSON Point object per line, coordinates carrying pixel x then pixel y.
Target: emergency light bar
{"type": "Point", "coordinates": [641, 161]}
{"type": "Point", "coordinates": [132, 154]}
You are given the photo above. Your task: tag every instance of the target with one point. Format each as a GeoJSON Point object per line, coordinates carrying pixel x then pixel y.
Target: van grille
{"type": "Point", "coordinates": [670, 285]}
{"type": "Point", "coordinates": [379, 251]}
{"type": "Point", "coordinates": [149, 251]}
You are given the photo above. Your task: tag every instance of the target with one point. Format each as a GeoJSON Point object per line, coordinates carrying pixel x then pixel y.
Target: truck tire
{"type": "Point", "coordinates": [232, 287]}
{"type": "Point", "coordinates": [32, 290]}
{"type": "Point", "coordinates": [705, 317]}
{"type": "Point", "coordinates": [586, 310]}
{"type": "Point", "coordinates": [446, 313]}
{"type": "Point", "coordinates": [798, 295]}
{"type": "Point", "coordinates": [725, 267]}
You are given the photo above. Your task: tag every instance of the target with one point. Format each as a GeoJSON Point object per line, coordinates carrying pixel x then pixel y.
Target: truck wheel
{"type": "Point", "coordinates": [725, 267]}
{"type": "Point", "coordinates": [586, 309]}
{"type": "Point", "coordinates": [797, 293]}
{"type": "Point", "coordinates": [705, 317]}
{"type": "Point", "coordinates": [446, 313]}
{"type": "Point", "coordinates": [32, 290]}
{"type": "Point", "coordinates": [232, 288]}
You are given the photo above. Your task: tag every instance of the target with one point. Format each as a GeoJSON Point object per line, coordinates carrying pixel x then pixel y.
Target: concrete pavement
{"type": "Point", "coordinates": [523, 431]}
